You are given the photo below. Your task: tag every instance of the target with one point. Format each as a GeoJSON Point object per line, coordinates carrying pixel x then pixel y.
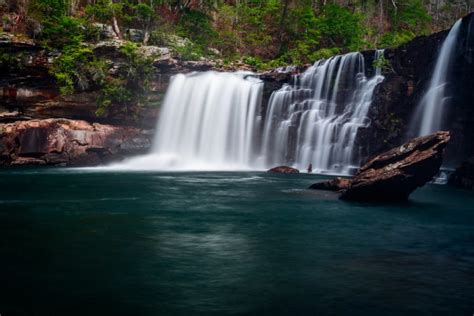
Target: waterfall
{"type": "Point", "coordinates": [316, 119]}
{"type": "Point", "coordinates": [213, 120]}
{"type": "Point", "coordinates": [431, 109]}
{"type": "Point", "coordinates": [208, 121]}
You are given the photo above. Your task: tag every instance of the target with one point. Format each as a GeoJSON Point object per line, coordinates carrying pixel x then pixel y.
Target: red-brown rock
{"type": "Point", "coordinates": [283, 169]}
{"type": "Point", "coordinates": [68, 142]}
{"type": "Point", "coordinates": [395, 174]}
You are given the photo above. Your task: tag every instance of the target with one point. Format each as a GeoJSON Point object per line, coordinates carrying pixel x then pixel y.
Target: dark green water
{"type": "Point", "coordinates": [84, 243]}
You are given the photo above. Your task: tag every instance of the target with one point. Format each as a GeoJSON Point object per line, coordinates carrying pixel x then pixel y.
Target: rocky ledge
{"type": "Point", "coordinates": [66, 142]}
{"type": "Point", "coordinates": [395, 174]}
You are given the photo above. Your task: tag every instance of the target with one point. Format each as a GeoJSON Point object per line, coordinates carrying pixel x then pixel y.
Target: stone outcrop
{"type": "Point", "coordinates": [395, 174]}
{"type": "Point", "coordinates": [283, 169]}
{"type": "Point", "coordinates": [68, 142]}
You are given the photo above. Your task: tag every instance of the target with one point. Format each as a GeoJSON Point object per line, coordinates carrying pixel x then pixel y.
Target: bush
{"type": "Point", "coordinates": [382, 63]}
{"type": "Point", "coordinates": [341, 28]}
{"type": "Point", "coordinates": [130, 87]}
{"type": "Point", "coordinates": [396, 38]}
{"type": "Point", "coordinates": [72, 69]}
{"type": "Point", "coordinates": [197, 26]}
{"type": "Point", "coordinates": [62, 31]}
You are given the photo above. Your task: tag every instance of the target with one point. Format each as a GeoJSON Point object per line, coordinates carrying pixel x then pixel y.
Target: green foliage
{"type": "Point", "coordinates": [130, 88]}
{"type": "Point", "coordinates": [396, 38]}
{"type": "Point", "coordinates": [113, 94]}
{"type": "Point", "coordinates": [382, 63]}
{"type": "Point", "coordinates": [72, 68]}
{"type": "Point", "coordinates": [60, 31]}
{"type": "Point", "coordinates": [196, 26]}
{"type": "Point", "coordinates": [104, 10]}
{"type": "Point", "coordinates": [304, 34]}
{"type": "Point", "coordinates": [341, 28]}
{"type": "Point", "coordinates": [144, 12]}
{"type": "Point", "coordinates": [325, 53]}
{"type": "Point", "coordinates": [45, 9]}
{"type": "Point", "coordinates": [189, 51]}
{"type": "Point", "coordinates": [411, 16]}
{"type": "Point", "coordinates": [77, 69]}
{"type": "Point", "coordinates": [11, 62]}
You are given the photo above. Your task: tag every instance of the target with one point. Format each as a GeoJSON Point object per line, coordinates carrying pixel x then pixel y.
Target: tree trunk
{"type": "Point", "coordinates": [284, 14]}
{"type": "Point", "coordinates": [116, 27]}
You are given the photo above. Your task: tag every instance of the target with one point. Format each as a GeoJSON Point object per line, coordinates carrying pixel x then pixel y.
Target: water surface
{"type": "Point", "coordinates": [118, 243]}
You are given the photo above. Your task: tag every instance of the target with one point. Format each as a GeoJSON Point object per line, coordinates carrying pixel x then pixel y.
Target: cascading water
{"type": "Point", "coordinates": [212, 120]}
{"type": "Point", "coordinates": [316, 120]}
{"type": "Point", "coordinates": [208, 121]}
{"type": "Point", "coordinates": [431, 110]}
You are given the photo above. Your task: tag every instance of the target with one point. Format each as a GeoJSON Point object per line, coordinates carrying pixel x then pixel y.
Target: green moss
{"type": "Point", "coordinates": [382, 63]}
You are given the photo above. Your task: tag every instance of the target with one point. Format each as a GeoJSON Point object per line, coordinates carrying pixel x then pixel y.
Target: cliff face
{"type": "Point", "coordinates": [28, 91]}
{"type": "Point", "coordinates": [397, 97]}
{"type": "Point", "coordinates": [68, 142]}
{"type": "Point", "coordinates": [31, 107]}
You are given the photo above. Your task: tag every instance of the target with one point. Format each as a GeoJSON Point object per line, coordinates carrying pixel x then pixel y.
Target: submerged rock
{"type": "Point", "coordinates": [337, 184]}
{"type": "Point", "coordinates": [283, 169]}
{"type": "Point", "coordinates": [68, 142]}
{"type": "Point", "coordinates": [395, 174]}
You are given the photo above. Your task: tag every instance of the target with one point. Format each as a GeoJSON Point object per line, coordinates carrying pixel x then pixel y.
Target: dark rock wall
{"type": "Point", "coordinates": [30, 91]}
{"type": "Point", "coordinates": [397, 97]}
{"type": "Point", "coordinates": [460, 118]}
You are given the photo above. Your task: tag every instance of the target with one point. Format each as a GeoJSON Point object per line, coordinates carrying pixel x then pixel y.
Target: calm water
{"type": "Point", "coordinates": [90, 243]}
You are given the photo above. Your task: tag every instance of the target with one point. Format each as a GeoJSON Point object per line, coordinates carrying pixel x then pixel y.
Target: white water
{"type": "Point", "coordinates": [316, 120]}
{"type": "Point", "coordinates": [212, 121]}
{"type": "Point", "coordinates": [429, 115]}
{"type": "Point", "coordinates": [208, 122]}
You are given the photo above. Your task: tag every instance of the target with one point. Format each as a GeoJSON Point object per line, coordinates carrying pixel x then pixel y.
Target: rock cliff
{"type": "Point", "coordinates": [406, 80]}
{"type": "Point", "coordinates": [68, 142]}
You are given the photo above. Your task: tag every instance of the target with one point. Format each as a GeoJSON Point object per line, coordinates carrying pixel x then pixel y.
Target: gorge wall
{"type": "Point", "coordinates": [30, 92]}
{"type": "Point", "coordinates": [406, 80]}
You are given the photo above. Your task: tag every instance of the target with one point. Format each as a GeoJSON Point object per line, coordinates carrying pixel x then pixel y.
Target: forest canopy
{"type": "Point", "coordinates": [275, 32]}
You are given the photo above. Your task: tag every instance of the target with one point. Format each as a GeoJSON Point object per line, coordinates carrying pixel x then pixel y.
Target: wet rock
{"type": "Point", "coordinates": [395, 174]}
{"type": "Point", "coordinates": [337, 184]}
{"type": "Point", "coordinates": [283, 169]}
{"type": "Point", "coordinates": [68, 142]}
{"type": "Point", "coordinates": [463, 177]}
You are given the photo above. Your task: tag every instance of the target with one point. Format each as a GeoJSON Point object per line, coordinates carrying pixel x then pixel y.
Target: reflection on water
{"type": "Point", "coordinates": [87, 243]}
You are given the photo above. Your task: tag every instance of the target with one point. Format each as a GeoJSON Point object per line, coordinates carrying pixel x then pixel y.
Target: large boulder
{"type": "Point", "coordinates": [283, 169]}
{"type": "Point", "coordinates": [68, 142]}
{"type": "Point", "coordinates": [393, 175]}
